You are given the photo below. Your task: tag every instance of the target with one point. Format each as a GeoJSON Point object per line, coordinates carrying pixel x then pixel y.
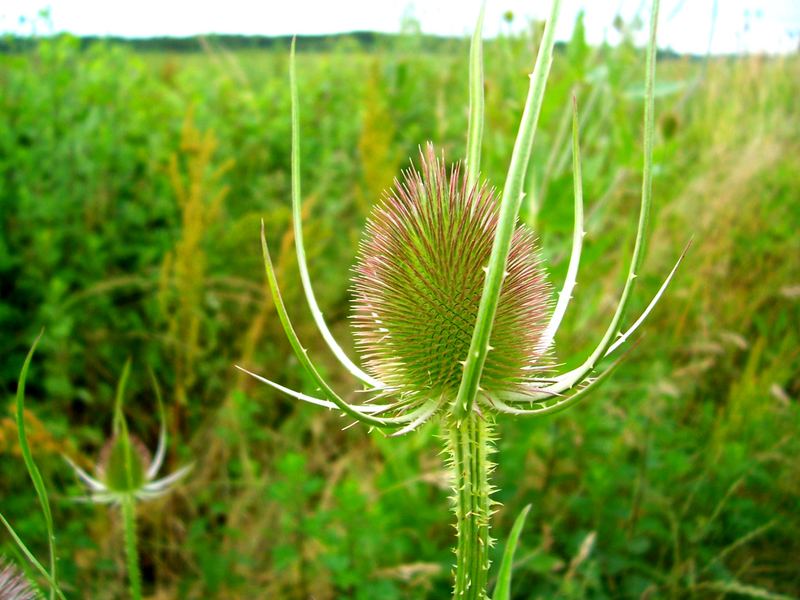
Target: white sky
{"type": "Point", "coordinates": [741, 25]}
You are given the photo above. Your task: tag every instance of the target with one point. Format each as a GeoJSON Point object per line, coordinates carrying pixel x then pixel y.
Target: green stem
{"type": "Point", "coordinates": [131, 555]}
{"type": "Point", "coordinates": [506, 224]}
{"type": "Point", "coordinates": [469, 443]}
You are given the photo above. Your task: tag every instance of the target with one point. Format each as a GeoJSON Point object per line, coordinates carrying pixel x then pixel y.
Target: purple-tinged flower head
{"type": "Point", "coordinates": [418, 284]}
{"type": "Point", "coordinates": [122, 468]}
{"type": "Point", "coordinates": [126, 467]}
{"type": "Point", "coordinates": [451, 302]}
{"type": "Point", "coordinates": [13, 585]}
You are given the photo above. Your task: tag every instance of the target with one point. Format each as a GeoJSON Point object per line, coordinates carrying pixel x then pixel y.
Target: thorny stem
{"type": "Point", "coordinates": [469, 444]}
{"type": "Point", "coordinates": [131, 554]}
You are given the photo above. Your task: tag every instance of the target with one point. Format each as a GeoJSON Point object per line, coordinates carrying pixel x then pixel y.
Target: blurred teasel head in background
{"type": "Point", "coordinates": [13, 585]}
{"type": "Point", "coordinates": [125, 466]}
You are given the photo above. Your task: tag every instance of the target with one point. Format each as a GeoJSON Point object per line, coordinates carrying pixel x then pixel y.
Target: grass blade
{"type": "Point", "coordinates": [33, 470]}
{"type": "Point", "coordinates": [31, 558]}
{"type": "Point", "coordinates": [742, 589]}
{"type": "Point", "coordinates": [502, 590]}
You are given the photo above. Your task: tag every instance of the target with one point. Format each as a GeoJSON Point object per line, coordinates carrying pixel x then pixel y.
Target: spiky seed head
{"type": "Point", "coordinates": [13, 585]}
{"type": "Point", "coordinates": [123, 464]}
{"type": "Point", "coordinates": [418, 283]}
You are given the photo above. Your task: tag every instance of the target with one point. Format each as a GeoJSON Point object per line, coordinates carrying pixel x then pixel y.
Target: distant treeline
{"type": "Point", "coordinates": [364, 40]}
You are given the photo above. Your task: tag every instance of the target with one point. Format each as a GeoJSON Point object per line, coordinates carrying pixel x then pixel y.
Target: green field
{"type": "Point", "coordinates": [132, 186]}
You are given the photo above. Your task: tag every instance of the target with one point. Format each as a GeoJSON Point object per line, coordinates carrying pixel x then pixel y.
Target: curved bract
{"type": "Point", "coordinates": [509, 209]}
{"type": "Point", "coordinates": [300, 250]}
{"type": "Point", "coordinates": [565, 295]}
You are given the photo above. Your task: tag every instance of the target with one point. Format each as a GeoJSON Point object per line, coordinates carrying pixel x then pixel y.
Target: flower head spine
{"type": "Point", "coordinates": [418, 282]}
{"type": "Point", "coordinates": [13, 584]}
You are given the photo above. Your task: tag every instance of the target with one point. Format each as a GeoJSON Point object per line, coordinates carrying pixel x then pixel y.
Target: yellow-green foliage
{"type": "Point", "coordinates": [379, 157]}
{"type": "Point", "coordinates": [196, 183]}
{"type": "Point", "coordinates": [38, 435]}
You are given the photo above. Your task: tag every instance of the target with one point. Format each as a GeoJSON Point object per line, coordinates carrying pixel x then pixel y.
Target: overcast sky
{"type": "Point", "coordinates": [740, 25]}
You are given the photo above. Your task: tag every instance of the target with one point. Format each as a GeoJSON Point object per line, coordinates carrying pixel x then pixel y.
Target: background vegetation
{"type": "Point", "coordinates": [131, 189]}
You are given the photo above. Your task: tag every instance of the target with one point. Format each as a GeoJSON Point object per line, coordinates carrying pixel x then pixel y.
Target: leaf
{"type": "Point", "coordinates": [36, 477]}
{"type": "Point", "coordinates": [502, 590]}
{"type": "Point", "coordinates": [33, 470]}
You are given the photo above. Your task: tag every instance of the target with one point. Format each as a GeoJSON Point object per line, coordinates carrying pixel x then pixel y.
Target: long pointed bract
{"type": "Point", "coordinates": [560, 404]}
{"type": "Point", "coordinates": [300, 248]}
{"type": "Point", "coordinates": [165, 482]}
{"type": "Point", "coordinates": [366, 408]}
{"type": "Point", "coordinates": [606, 346]}
{"type": "Point", "coordinates": [568, 380]}
{"type": "Point", "coordinates": [624, 337]}
{"type": "Point", "coordinates": [119, 418]}
{"type": "Point", "coordinates": [161, 449]}
{"type": "Point", "coordinates": [509, 207]}
{"type": "Point", "coordinates": [577, 238]}
{"type": "Point", "coordinates": [301, 353]}
{"type": "Point", "coordinates": [421, 415]}
{"type": "Point", "coordinates": [91, 482]}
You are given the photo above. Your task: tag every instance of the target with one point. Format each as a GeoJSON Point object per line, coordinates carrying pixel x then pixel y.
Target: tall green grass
{"type": "Point", "coordinates": [682, 482]}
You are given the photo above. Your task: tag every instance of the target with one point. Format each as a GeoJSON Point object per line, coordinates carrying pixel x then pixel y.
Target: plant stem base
{"type": "Point", "coordinates": [469, 444]}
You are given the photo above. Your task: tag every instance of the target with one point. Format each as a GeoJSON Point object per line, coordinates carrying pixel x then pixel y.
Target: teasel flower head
{"type": "Point", "coordinates": [13, 584]}
{"type": "Point", "coordinates": [125, 466]}
{"type": "Point", "coordinates": [418, 282]}
{"type": "Point", "coordinates": [452, 311]}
